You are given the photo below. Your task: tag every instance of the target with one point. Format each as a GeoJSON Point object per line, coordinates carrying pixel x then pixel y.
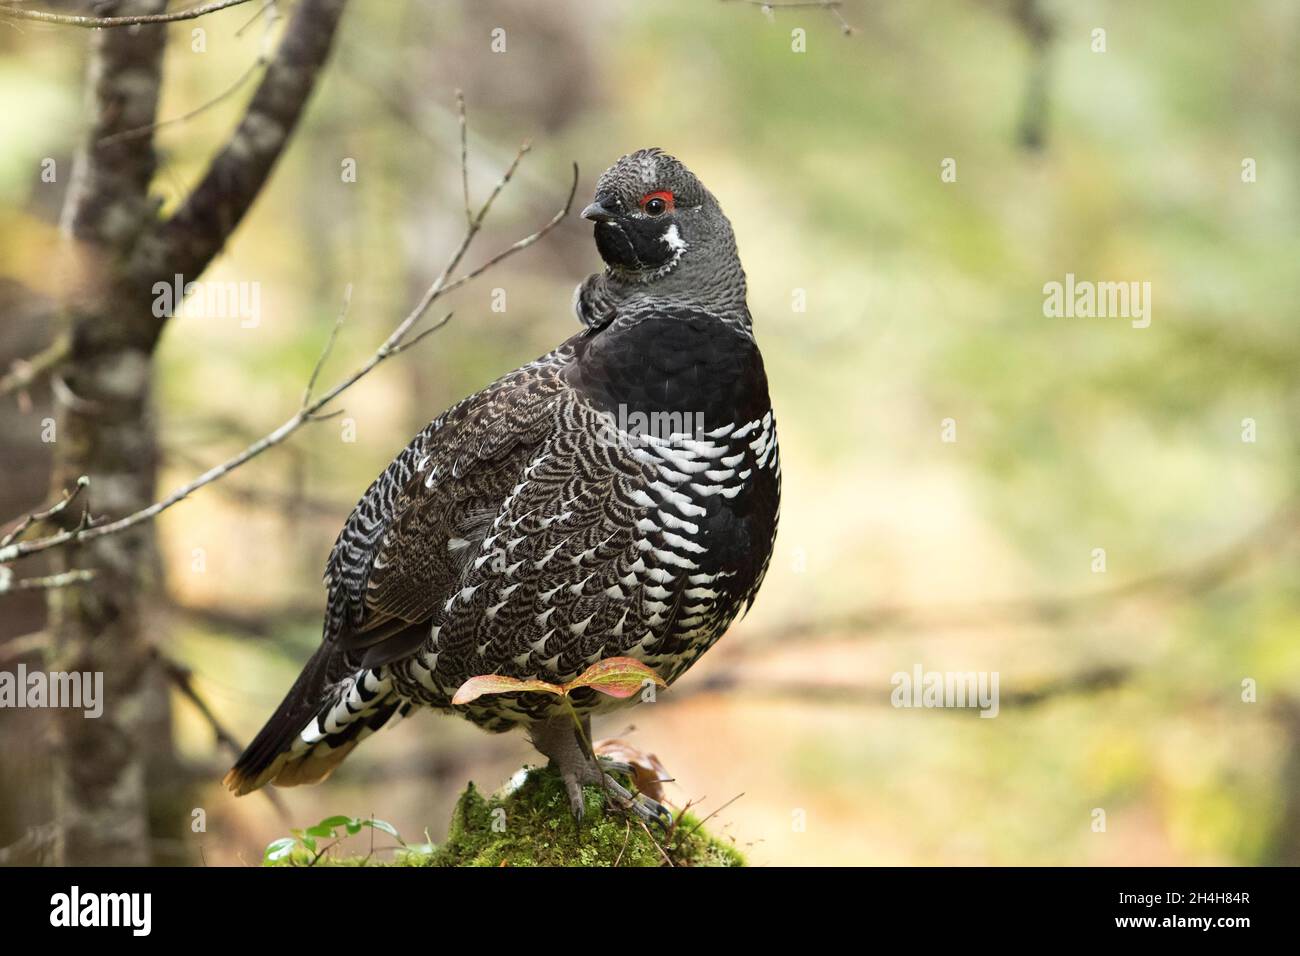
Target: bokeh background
{"type": "Point", "coordinates": [922, 300]}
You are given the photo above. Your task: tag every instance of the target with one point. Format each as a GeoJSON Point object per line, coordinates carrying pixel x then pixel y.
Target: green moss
{"type": "Point", "coordinates": [532, 826]}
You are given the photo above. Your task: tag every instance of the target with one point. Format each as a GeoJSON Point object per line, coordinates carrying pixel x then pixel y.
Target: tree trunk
{"type": "Point", "coordinates": [101, 801]}
{"type": "Point", "coordinates": [105, 431]}
{"type": "Point", "coordinates": [115, 774]}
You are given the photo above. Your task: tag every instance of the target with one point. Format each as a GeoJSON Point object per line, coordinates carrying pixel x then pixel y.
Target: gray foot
{"type": "Point", "coordinates": [559, 741]}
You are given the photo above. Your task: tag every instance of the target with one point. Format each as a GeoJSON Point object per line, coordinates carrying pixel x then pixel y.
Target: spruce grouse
{"type": "Point", "coordinates": [616, 497]}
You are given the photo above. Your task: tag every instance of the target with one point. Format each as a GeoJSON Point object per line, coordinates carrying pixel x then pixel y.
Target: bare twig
{"type": "Point", "coordinates": [266, 5]}
{"type": "Point", "coordinates": [830, 6]}
{"type": "Point", "coordinates": [464, 154]}
{"type": "Point", "coordinates": [263, 60]}
{"type": "Point", "coordinates": [183, 679]}
{"type": "Point", "coordinates": [225, 94]}
{"type": "Point", "coordinates": [712, 815]}
{"type": "Point", "coordinates": [423, 334]}
{"type": "Point", "coordinates": [95, 23]}
{"type": "Point", "coordinates": [839, 694]}
{"type": "Point", "coordinates": [677, 819]}
{"type": "Point", "coordinates": [657, 844]}
{"type": "Point", "coordinates": [49, 582]}
{"type": "Point", "coordinates": [845, 27]}
{"type": "Point", "coordinates": [395, 344]}
{"type": "Point", "coordinates": [279, 500]}
{"type": "Point", "coordinates": [792, 4]}
{"type": "Point", "coordinates": [627, 835]}
{"type": "Point", "coordinates": [248, 623]}
{"type": "Point", "coordinates": [26, 372]}
{"type": "Point", "coordinates": [35, 517]}
{"type": "Point", "coordinates": [329, 346]}
{"type": "Point", "coordinates": [322, 851]}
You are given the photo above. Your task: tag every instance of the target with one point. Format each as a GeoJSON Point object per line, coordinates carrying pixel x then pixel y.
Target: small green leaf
{"type": "Point", "coordinates": [384, 826]}
{"type": "Point", "coordinates": [279, 849]}
{"type": "Point", "coordinates": [332, 822]}
{"type": "Point", "coordinates": [619, 677]}
{"type": "Point", "coordinates": [309, 843]}
{"type": "Point", "coordinates": [476, 687]}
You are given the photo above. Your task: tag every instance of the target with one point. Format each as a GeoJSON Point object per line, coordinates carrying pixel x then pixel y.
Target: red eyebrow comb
{"type": "Point", "coordinates": [663, 194]}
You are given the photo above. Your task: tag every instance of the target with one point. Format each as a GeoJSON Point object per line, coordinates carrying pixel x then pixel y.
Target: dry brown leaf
{"type": "Point", "coordinates": [648, 774]}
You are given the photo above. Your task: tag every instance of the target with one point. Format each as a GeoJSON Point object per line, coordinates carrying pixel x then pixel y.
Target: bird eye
{"type": "Point", "coordinates": [656, 204]}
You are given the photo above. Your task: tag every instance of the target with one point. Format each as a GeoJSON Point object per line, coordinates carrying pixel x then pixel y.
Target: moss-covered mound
{"type": "Point", "coordinates": [530, 825]}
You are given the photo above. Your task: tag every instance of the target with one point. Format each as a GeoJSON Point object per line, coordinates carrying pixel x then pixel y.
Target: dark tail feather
{"type": "Point", "coordinates": [317, 724]}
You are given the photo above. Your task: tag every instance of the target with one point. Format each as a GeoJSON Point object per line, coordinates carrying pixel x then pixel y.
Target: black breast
{"type": "Point", "coordinates": [683, 361]}
{"type": "Point", "coordinates": [693, 370]}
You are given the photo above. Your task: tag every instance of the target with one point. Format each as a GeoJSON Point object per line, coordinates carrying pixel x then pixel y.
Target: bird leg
{"type": "Point", "coordinates": [568, 751]}
{"type": "Point", "coordinates": [557, 739]}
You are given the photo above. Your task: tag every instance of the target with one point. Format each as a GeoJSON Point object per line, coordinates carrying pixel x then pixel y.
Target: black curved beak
{"type": "Point", "coordinates": [597, 213]}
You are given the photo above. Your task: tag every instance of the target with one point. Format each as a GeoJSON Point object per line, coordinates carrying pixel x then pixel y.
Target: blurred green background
{"type": "Point", "coordinates": [1122, 689]}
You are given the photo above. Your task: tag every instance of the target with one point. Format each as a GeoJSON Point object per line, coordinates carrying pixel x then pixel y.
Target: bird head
{"type": "Point", "coordinates": [655, 220]}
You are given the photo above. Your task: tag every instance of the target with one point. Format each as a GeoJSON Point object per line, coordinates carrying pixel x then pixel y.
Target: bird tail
{"type": "Point", "coordinates": [316, 726]}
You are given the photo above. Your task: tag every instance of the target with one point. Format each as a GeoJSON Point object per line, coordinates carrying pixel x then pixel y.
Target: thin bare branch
{"type": "Point", "coordinates": [96, 23]}
{"type": "Point", "coordinates": [839, 694]}
{"type": "Point", "coordinates": [35, 517]}
{"type": "Point", "coordinates": [523, 243]}
{"type": "Point", "coordinates": [830, 6]}
{"type": "Point", "coordinates": [329, 346]}
{"type": "Point", "coordinates": [464, 155]}
{"type": "Point", "coordinates": [225, 94]}
{"type": "Point", "coordinates": [792, 4]}
{"type": "Point", "coordinates": [263, 60]}
{"type": "Point", "coordinates": [421, 335]}
{"type": "Point", "coordinates": [523, 150]}
{"type": "Point", "coordinates": [627, 835]}
{"type": "Point", "coordinates": [266, 5]}
{"type": "Point", "coordinates": [9, 584]}
{"type": "Point", "coordinates": [24, 373]}
{"type": "Point", "coordinates": [658, 846]}
{"type": "Point", "coordinates": [279, 500]}
{"type": "Point", "coordinates": [246, 622]}
{"type": "Point", "coordinates": [714, 813]}
{"type": "Point", "coordinates": [183, 678]}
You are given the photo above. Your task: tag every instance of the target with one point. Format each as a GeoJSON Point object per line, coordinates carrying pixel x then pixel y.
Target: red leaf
{"type": "Point", "coordinates": [619, 677]}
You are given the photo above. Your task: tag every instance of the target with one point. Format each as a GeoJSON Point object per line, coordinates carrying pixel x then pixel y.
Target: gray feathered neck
{"type": "Point", "coordinates": [605, 298]}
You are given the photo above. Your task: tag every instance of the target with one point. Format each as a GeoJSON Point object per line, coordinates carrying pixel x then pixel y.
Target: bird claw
{"type": "Point", "coordinates": [647, 808]}
{"type": "Point", "coordinates": [610, 765]}
{"type": "Point", "coordinates": [576, 766]}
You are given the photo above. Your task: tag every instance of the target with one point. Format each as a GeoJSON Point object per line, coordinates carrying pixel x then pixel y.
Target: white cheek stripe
{"type": "Point", "coordinates": [673, 239]}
